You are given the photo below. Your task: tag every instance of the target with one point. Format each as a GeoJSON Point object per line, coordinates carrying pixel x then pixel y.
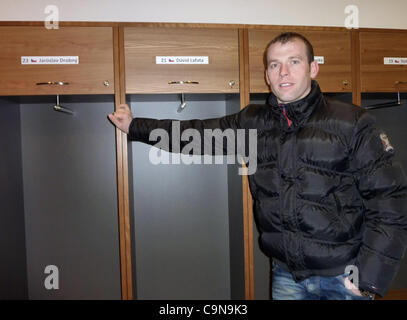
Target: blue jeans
{"type": "Point", "coordinates": [284, 287]}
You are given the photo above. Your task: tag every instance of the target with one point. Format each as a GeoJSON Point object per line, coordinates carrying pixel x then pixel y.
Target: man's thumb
{"type": "Point", "coordinates": [114, 119]}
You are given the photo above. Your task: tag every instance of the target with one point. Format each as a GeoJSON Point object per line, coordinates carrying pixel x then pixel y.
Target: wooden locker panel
{"type": "Point", "coordinates": [144, 44]}
{"type": "Point", "coordinates": [93, 46]}
{"type": "Point", "coordinates": [375, 75]}
{"type": "Point", "coordinates": [335, 46]}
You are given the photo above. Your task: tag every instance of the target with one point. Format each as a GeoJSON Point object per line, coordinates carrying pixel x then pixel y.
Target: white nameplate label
{"type": "Point", "coordinates": [182, 60]}
{"type": "Point", "coordinates": [50, 60]}
{"type": "Point", "coordinates": [394, 60]}
{"type": "Point", "coordinates": [319, 59]}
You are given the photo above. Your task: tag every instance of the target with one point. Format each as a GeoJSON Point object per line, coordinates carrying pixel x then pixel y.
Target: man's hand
{"type": "Point", "coordinates": [350, 286]}
{"type": "Point", "coordinates": [122, 117]}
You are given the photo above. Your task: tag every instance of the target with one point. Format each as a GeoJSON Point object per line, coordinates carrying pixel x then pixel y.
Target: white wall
{"type": "Point", "coordinates": [372, 13]}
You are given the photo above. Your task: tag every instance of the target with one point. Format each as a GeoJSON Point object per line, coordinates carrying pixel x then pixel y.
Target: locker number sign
{"type": "Point", "coordinates": [50, 60]}
{"type": "Point", "coordinates": [182, 60]}
{"type": "Point", "coordinates": [395, 60]}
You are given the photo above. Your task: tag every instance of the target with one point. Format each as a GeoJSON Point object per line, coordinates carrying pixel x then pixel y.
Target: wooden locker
{"type": "Point", "coordinates": [335, 46]}
{"type": "Point", "coordinates": [180, 211]}
{"type": "Point", "coordinates": [144, 44]}
{"type": "Point", "coordinates": [93, 74]}
{"type": "Point", "coordinates": [60, 169]}
{"type": "Point", "coordinates": [375, 46]}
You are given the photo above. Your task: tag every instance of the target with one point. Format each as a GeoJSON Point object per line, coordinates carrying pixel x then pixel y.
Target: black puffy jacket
{"type": "Point", "coordinates": [326, 193]}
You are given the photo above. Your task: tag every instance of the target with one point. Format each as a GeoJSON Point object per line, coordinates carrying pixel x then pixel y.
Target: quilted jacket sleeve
{"type": "Point", "coordinates": [216, 136]}
{"type": "Point", "coordinates": [383, 187]}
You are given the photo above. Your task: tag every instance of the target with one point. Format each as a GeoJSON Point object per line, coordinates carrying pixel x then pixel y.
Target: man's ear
{"type": "Point", "coordinates": [314, 68]}
{"type": "Point", "coordinates": [267, 78]}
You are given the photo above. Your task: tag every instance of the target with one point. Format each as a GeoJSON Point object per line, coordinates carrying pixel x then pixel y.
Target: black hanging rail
{"type": "Point", "coordinates": [388, 104]}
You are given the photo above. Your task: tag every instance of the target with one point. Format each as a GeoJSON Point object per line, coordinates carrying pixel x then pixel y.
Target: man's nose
{"type": "Point", "coordinates": [283, 70]}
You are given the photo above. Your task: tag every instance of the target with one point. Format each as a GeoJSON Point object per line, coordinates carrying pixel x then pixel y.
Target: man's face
{"type": "Point", "coordinates": [288, 71]}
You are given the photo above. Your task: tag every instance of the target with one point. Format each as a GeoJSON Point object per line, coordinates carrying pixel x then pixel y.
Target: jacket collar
{"type": "Point", "coordinates": [298, 111]}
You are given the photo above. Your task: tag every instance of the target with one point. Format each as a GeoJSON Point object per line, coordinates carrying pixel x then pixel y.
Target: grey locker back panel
{"type": "Point", "coordinates": [181, 212]}
{"type": "Point", "coordinates": [394, 122]}
{"type": "Point", "coordinates": [13, 270]}
{"type": "Point", "coordinates": [236, 232]}
{"type": "Point", "coordinates": [70, 197]}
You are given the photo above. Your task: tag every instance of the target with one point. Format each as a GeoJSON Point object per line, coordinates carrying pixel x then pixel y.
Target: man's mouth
{"type": "Point", "coordinates": [286, 85]}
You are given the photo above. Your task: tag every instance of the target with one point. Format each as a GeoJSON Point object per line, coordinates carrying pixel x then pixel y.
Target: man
{"type": "Point", "coordinates": [330, 203]}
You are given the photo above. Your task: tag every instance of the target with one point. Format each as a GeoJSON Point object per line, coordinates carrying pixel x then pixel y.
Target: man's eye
{"type": "Point", "coordinates": [273, 65]}
{"type": "Point", "coordinates": [295, 61]}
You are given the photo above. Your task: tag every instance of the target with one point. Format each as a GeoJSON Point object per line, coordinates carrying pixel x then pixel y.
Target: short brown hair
{"type": "Point", "coordinates": [290, 36]}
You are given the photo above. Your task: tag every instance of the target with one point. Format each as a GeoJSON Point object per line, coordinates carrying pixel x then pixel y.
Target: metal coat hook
{"type": "Point", "coordinates": [60, 108]}
{"type": "Point", "coordinates": [183, 103]}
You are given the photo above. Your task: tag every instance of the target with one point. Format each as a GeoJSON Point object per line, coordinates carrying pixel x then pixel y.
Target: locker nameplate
{"type": "Point", "coordinates": [182, 60]}
{"type": "Point", "coordinates": [395, 60]}
{"type": "Point", "coordinates": [50, 60]}
{"type": "Point", "coordinates": [319, 59]}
